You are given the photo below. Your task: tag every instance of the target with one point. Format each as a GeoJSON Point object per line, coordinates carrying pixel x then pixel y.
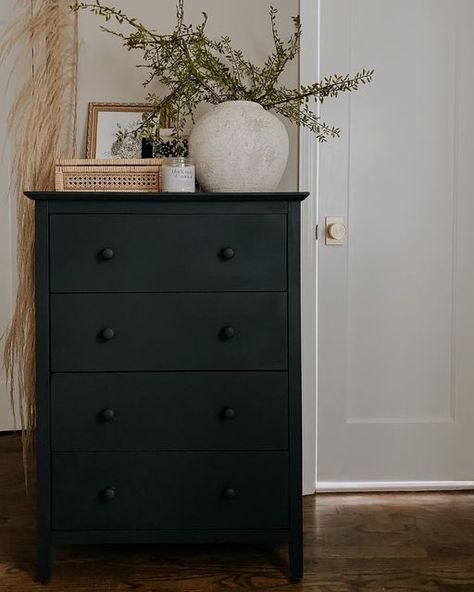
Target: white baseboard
{"type": "Point", "coordinates": [361, 486]}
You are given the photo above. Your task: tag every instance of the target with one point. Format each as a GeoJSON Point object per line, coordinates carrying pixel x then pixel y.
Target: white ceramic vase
{"type": "Point", "coordinates": [239, 146]}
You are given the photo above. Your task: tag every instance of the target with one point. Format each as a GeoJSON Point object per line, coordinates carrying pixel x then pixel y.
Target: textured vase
{"type": "Point", "coordinates": [238, 146]}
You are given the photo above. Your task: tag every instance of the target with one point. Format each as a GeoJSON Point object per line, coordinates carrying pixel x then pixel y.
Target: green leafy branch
{"type": "Point", "coordinates": [198, 69]}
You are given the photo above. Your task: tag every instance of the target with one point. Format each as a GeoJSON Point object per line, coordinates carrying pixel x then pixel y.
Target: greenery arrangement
{"type": "Point", "coordinates": [198, 69]}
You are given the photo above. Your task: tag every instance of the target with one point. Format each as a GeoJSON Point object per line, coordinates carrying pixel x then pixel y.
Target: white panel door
{"type": "Point", "coordinates": [396, 301]}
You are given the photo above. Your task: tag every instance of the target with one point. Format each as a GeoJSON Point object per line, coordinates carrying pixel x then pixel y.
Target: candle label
{"type": "Point", "coordinates": [178, 178]}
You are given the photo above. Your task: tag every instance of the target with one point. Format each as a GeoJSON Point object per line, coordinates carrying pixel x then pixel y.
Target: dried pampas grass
{"type": "Point", "coordinates": [42, 124]}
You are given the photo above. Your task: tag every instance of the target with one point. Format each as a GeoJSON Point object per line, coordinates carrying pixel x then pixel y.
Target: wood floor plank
{"type": "Point", "coordinates": [419, 542]}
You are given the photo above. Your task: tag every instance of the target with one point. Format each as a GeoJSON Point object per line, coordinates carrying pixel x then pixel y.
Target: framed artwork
{"type": "Point", "coordinates": [105, 121]}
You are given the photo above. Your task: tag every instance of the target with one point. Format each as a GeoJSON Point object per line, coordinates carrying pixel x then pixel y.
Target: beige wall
{"type": "Point", "coordinates": [108, 72]}
{"type": "Point", "coordinates": [7, 222]}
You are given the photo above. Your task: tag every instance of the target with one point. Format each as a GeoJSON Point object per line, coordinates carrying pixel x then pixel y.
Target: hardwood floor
{"type": "Point", "coordinates": [353, 543]}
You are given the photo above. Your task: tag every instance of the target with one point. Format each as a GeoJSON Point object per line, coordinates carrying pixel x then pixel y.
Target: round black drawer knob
{"type": "Point", "coordinates": [107, 334]}
{"type": "Point", "coordinates": [108, 414]}
{"type": "Point", "coordinates": [228, 253]}
{"type": "Point", "coordinates": [229, 493]}
{"type": "Point", "coordinates": [228, 332]}
{"type": "Point", "coordinates": [228, 413]}
{"type": "Point", "coordinates": [108, 494]}
{"type": "Point", "coordinates": [107, 253]}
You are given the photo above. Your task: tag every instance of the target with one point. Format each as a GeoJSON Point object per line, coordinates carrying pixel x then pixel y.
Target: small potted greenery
{"type": "Point", "coordinates": [239, 144]}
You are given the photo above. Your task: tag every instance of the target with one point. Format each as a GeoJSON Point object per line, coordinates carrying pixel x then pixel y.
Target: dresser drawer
{"type": "Point", "coordinates": [155, 253]}
{"type": "Point", "coordinates": [145, 332]}
{"type": "Point", "coordinates": [169, 490]}
{"type": "Point", "coordinates": [170, 411]}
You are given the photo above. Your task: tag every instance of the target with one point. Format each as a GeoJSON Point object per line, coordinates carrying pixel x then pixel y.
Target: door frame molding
{"type": "Point", "coordinates": [308, 180]}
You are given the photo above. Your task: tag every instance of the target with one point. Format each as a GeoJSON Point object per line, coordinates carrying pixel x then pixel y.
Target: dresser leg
{"type": "Point", "coordinates": [45, 560]}
{"type": "Point", "coordinates": [296, 558]}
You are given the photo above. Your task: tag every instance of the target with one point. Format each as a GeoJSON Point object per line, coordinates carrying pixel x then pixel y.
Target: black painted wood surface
{"type": "Point", "coordinates": [124, 196]}
{"type": "Point", "coordinates": [43, 404]}
{"type": "Point", "coordinates": [169, 411]}
{"type": "Point", "coordinates": [170, 490]}
{"type": "Point", "coordinates": [168, 253]}
{"type": "Point", "coordinates": [168, 331]}
{"type": "Point", "coordinates": [294, 389]}
{"type": "Point", "coordinates": [168, 373]}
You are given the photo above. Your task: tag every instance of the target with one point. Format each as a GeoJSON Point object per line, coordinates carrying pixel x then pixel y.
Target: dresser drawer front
{"type": "Point", "coordinates": [154, 253]}
{"type": "Point", "coordinates": [145, 332]}
{"type": "Point", "coordinates": [169, 490]}
{"type": "Point", "coordinates": [170, 411]}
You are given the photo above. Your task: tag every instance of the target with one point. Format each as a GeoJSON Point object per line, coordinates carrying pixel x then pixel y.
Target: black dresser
{"type": "Point", "coordinates": [168, 369]}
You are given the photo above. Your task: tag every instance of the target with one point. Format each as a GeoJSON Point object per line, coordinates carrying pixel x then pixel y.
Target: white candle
{"type": "Point", "coordinates": [178, 175]}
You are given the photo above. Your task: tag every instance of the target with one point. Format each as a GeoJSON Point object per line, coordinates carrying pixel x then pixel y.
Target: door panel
{"type": "Point", "coordinates": [394, 351]}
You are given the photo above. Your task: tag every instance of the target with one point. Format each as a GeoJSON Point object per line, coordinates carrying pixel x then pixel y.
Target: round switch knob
{"type": "Point", "coordinates": [229, 493]}
{"type": "Point", "coordinates": [228, 253]}
{"type": "Point", "coordinates": [228, 413]}
{"type": "Point", "coordinates": [228, 332]}
{"type": "Point", "coordinates": [108, 333]}
{"type": "Point", "coordinates": [337, 231]}
{"type": "Point", "coordinates": [108, 414]}
{"type": "Point", "coordinates": [108, 494]}
{"type": "Point", "coordinates": [107, 253]}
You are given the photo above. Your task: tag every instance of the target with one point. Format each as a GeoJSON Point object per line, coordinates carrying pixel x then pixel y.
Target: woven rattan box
{"type": "Point", "coordinates": [108, 174]}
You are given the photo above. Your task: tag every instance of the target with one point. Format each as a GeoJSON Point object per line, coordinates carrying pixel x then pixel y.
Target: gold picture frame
{"type": "Point", "coordinates": [100, 125]}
